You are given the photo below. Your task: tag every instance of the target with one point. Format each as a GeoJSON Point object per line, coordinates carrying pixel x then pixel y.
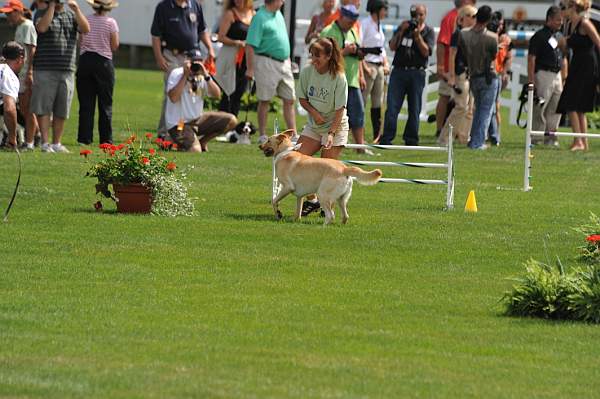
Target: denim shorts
{"type": "Point", "coordinates": [356, 108]}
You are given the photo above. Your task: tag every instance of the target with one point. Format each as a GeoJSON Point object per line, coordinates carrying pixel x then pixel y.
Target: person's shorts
{"type": "Point", "coordinates": [210, 123]}
{"type": "Point", "coordinates": [273, 78]}
{"type": "Point", "coordinates": [52, 93]}
{"type": "Point", "coordinates": [355, 108]}
{"type": "Point", "coordinates": [340, 139]}
{"type": "Point", "coordinates": [444, 88]}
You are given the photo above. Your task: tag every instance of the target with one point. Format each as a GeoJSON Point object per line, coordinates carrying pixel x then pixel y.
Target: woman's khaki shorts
{"type": "Point", "coordinates": [339, 140]}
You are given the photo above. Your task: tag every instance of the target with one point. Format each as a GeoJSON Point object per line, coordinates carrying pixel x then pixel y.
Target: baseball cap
{"type": "Point", "coordinates": [349, 11]}
{"type": "Point", "coordinates": [12, 5]}
{"type": "Point", "coordinates": [194, 55]}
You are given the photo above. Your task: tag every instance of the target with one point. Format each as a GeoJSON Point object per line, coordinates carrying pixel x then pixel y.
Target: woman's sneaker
{"type": "Point", "coordinates": [309, 207]}
{"type": "Point", "coordinates": [60, 148]}
{"type": "Point", "coordinates": [47, 148]}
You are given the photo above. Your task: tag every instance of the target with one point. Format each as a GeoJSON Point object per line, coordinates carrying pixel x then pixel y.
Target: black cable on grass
{"type": "Point", "coordinates": [12, 199]}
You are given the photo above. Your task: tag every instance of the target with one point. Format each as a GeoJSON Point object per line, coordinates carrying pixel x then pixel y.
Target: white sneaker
{"type": "Point", "coordinates": [244, 139]}
{"type": "Point", "coordinates": [262, 139]}
{"type": "Point", "coordinates": [47, 148]}
{"type": "Point", "coordinates": [60, 148]}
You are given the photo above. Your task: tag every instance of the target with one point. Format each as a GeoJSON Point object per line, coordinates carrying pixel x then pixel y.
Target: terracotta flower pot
{"type": "Point", "coordinates": [133, 198]}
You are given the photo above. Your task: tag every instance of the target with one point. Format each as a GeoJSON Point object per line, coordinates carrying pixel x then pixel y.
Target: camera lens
{"type": "Point", "coordinates": [195, 67]}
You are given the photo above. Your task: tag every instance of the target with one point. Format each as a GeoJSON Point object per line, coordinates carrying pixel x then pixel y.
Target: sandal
{"type": "Point", "coordinates": [309, 207]}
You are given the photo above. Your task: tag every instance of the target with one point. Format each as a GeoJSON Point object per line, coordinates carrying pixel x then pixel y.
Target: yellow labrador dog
{"type": "Point", "coordinates": [302, 175]}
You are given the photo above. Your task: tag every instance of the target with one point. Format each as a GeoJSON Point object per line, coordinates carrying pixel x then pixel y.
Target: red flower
{"type": "Point", "coordinates": [152, 151]}
{"type": "Point", "coordinates": [148, 135]}
{"type": "Point", "coordinates": [171, 166]}
{"type": "Point", "coordinates": [120, 147]}
{"type": "Point", "coordinates": [158, 141]}
{"type": "Point", "coordinates": [166, 144]}
{"type": "Point", "coordinates": [85, 153]}
{"type": "Point", "coordinates": [174, 146]}
{"type": "Point", "coordinates": [145, 161]}
{"type": "Point", "coordinates": [113, 148]}
{"type": "Point", "coordinates": [105, 146]}
{"type": "Point", "coordinates": [595, 238]}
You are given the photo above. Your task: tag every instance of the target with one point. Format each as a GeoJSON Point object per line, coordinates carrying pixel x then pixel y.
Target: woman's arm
{"type": "Point", "coordinates": [310, 33]}
{"type": "Point", "coordinates": [590, 30]}
{"type": "Point", "coordinates": [226, 22]}
{"type": "Point", "coordinates": [316, 115]}
{"type": "Point", "coordinates": [114, 41]}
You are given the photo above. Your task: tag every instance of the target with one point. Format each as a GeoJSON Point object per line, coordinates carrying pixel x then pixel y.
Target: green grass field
{"type": "Point", "coordinates": [401, 302]}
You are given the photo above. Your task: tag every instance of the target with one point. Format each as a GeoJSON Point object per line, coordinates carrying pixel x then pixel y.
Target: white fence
{"type": "Point", "coordinates": [530, 132]}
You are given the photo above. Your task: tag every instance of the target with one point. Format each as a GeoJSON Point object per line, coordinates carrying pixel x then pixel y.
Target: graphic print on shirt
{"type": "Point", "coordinates": [318, 94]}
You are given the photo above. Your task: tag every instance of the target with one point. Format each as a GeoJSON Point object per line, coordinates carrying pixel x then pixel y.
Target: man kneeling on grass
{"type": "Point", "coordinates": [189, 127]}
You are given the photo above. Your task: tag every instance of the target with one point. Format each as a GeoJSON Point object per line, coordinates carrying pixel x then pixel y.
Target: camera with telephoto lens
{"type": "Point", "coordinates": [53, 1]}
{"type": "Point", "coordinates": [413, 23]}
{"type": "Point", "coordinates": [195, 68]}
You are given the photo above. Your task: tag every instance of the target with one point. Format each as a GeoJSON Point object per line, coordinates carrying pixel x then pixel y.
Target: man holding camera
{"type": "Point", "coordinates": [188, 126]}
{"type": "Point", "coordinates": [480, 47]}
{"type": "Point", "coordinates": [343, 32]}
{"type": "Point", "coordinates": [544, 65]}
{"type": "Point", "coordinates": [413, 42]}
{"type": "Point", "coordinates": [54, 68]}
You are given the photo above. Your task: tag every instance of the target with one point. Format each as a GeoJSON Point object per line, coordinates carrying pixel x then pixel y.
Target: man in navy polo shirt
{"type": "Point", "coordinates": [178, 27]}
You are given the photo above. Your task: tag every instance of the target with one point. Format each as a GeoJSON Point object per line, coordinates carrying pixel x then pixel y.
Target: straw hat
{"type": "Point", "coordinates": [106, 4]}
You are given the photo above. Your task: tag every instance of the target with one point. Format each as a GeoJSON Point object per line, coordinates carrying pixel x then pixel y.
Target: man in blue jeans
{"type": "Point", "coordinates": [480, 47]}
{"type": "Point", "coordinates": [413, 42]}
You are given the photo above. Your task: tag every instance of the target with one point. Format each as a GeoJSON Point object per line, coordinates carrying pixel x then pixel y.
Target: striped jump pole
{"type": "Point", "coordinates": [275, 179]}
{"type": "Point", "coordinates": [530, 132]}
{"type": "Point", "coordinates": [449, 166]}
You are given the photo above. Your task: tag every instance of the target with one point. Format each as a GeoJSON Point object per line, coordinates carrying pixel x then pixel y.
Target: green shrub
{"type": "Point", "coordinates": [543, 292]}
{"type": "Point", "coordinates": [584, 303]}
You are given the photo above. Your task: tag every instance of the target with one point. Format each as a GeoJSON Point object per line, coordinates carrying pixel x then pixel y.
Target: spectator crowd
{"type": "Point", "coordinates": [58, 50]}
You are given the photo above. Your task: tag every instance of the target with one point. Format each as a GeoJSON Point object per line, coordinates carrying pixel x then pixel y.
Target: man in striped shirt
{"type": "Point", "coordinates": [54, 67]}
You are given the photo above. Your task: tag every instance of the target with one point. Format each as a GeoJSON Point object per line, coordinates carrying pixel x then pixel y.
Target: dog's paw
{"type": "Point", "coordinates": [279, 215]}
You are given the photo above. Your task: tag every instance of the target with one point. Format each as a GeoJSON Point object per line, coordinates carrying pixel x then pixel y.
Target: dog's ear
{"type": "Point", "coordinates": [289, 133]}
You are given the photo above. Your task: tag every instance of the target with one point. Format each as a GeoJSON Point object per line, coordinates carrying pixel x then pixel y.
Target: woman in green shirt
{"type": "Point", "coordinates": [323, 94]}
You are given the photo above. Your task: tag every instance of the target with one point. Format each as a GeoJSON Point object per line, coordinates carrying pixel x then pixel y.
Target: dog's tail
{"type": "Point", "coordinates": [364, 178]}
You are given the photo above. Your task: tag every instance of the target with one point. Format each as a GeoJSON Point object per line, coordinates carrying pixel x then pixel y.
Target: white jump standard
{"type": "Point", "coordinates": [529, 132]}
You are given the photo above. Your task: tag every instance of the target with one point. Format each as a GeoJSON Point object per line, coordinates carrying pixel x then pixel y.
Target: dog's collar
{"type": "Point", "coordinates": [287, 151]}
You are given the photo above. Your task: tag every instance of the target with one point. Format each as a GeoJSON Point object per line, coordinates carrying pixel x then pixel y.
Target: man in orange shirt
{"type": "Point", "coordinates": [447, 28]}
